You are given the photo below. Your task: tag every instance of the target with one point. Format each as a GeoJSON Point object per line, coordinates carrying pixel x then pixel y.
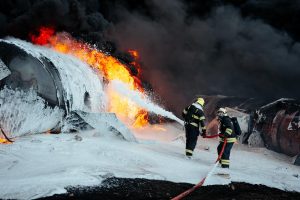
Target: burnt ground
{"type": "Point", "coordinates": [143, 189]}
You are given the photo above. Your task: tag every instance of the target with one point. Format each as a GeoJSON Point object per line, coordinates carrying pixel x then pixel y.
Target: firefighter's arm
{"type": "Point", "coordinates": [228, 132]}
{"type": "Point", "coordinates": [228, 128]}
{"type": "Point", "coordinates": [202, 124]}
{"type": "Point", "coordinates": [184, 112]}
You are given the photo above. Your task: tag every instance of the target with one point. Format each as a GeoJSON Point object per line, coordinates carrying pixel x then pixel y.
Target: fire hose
{"type": "Point", "coordinates": [5, 136]}
{"type": "Point", "coordinates": [198, 185]}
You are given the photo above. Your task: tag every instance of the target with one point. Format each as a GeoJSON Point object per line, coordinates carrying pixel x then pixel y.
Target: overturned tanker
{"type": "Point", "coordinates": [61, 80]}
{"type": "Point", "coordinates": [279, 125]}
{"type": "Point", "coordinates": [276, 123]}
{"type": "Point", "coordinates": [26, 72]}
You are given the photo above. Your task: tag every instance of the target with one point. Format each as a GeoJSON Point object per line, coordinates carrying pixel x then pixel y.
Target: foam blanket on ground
{"type": "Point", "coordinates": [43, 165]}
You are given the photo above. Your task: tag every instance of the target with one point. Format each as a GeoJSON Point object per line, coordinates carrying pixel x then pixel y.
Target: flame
{"type": "Point", "coordinates": [135, 62]}
{"type": "Point", "coordinates": [44, 34]}
{"type": "Point", "coordinates": [110, 67]}
{"type": "Point", "coordinates": [4, 141]}
{"type": "Point", "coordinates": [141, 120]}
{"type": "Point", "coordinates": [134, 53]}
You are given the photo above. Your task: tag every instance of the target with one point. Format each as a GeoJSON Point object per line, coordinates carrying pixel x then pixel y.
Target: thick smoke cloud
{"type": "Point", "coordinates": [80, 18]}
{"type": "Point", "coordinates": [244, 48]}
{"type": "Point", "coordinates": [281, 14]}
{"type": "Point", "coordinates": [223, 53]}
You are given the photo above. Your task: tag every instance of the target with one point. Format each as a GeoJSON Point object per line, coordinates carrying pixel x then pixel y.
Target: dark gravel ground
{"type": "Point", "coordinates": [143, 189]}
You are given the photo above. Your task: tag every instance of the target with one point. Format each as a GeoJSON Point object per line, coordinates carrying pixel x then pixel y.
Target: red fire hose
{"type": "Point", "coordinates": [213, 136]}
{"type": "Point", "coordinates": [198, 185]}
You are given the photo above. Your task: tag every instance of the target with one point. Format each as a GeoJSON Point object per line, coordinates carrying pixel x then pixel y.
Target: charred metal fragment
{"type": "Point", "coordinates": [279, 125]}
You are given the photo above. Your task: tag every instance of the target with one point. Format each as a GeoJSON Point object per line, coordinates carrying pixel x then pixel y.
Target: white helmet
{"type": "Point", "coordinates": [221, 112]}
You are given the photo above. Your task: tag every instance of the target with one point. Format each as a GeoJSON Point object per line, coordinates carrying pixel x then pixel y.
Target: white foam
{"type": "Point", "coordinates": [24, 113]}
{"type": "Point", "coordinates": [76, 76]}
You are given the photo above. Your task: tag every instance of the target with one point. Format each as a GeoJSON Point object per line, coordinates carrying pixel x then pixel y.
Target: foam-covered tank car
{"type": "Point", "coordinates": [26, 71]}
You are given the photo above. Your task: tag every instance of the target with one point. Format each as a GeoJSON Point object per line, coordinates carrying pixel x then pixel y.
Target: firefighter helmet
{"type": "Point", "coordinates": [221, 112]}
{"type": "Point", "coordinates": [200, 101]}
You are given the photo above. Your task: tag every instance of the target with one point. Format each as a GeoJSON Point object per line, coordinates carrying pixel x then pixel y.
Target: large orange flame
{"type": "Point", "coordinates": [110, 67]}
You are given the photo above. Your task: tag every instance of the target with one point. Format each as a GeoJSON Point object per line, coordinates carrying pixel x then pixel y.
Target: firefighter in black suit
{"type": "Point", "coordinates": [226, 130]}
{"type": "Point", "coordinates": [193, 121]}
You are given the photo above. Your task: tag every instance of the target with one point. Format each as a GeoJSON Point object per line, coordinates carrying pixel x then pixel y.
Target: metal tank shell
{"type": "Point", "coordinates": [29, 72]}
{"type": "Point", "coordinates": [279, 125]}
{"type": "Point", "coordinates": [277, 122]}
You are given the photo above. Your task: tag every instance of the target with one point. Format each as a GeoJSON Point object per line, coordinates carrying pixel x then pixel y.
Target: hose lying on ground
{"type": "Point", "coordinates": [198, 185]}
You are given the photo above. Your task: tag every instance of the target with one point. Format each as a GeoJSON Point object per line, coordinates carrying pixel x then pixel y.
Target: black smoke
{"type": "Point", "coordinates": [244, 48]}
{"type": "Point", "coordinates": [223, 51]}
{"type": "Point", "coordinates": [80, 18]}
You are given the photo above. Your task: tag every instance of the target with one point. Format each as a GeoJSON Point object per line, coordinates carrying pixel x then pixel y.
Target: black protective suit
{"type": "Point", "coordinates": [226, 131]}
{"type": "Point", "coordinates": [193, 120]}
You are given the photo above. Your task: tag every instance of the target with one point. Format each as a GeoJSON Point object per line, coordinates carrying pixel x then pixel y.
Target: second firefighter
{"type": "Point", "coordinates": [227, 133]}
{"type": "Point", "coordinates": [194, 119]}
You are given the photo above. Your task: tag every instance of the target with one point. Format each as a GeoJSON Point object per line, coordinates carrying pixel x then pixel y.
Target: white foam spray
{"type": "Point", "coordinates": [141, 100]}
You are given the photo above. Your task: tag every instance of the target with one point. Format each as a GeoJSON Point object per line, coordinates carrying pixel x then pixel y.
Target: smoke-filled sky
{"type": "Point", "coordinates": [245, 48]}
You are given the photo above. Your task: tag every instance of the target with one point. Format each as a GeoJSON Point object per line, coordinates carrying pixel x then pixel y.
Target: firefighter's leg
{"type": "Point", "coordinates": [191, 140]}
{"type": "Point", "coordinates": [226, 154]}
{"type": "Point", "coordinates": [219, 149]}
{"type": "Point", "coordinates": [188, 151]}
